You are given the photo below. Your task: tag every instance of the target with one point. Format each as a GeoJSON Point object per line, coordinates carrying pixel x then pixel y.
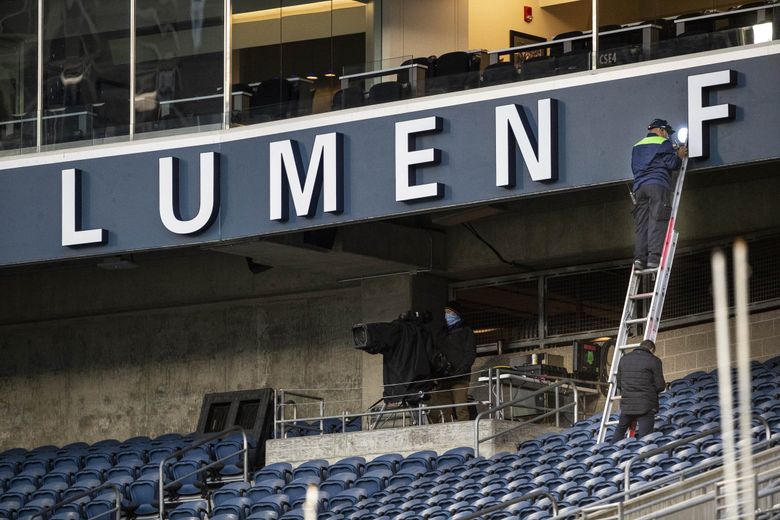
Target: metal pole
{"type": "Point", "coordinates": [227, 72]}
{"type": "Point", "coordinates": [594, 51]}
{"type": "Point", "coordinates": [743, 378]}
{"type": "Point", "coordinates": [39, 86]}
{"type": "Point", "coordinates": [132, 70]}
{"type": "Point", "coordinates": [557, 409]}
{"type": "Point", "coordinates": [720, 296]}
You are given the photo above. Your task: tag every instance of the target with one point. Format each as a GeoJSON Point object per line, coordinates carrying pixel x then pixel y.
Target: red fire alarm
{"type": "Point", "coordinates": [528, 14]}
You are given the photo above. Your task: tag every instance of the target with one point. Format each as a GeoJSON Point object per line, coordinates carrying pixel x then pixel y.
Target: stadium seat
{"type": "Point", "coordinates": [297, 487]}
{"type": "Point", "coordinates": [143, 498]}
{"type": "Point", "coordinates": [374, 480]}
{"type": "Point", "coordinates": [348, 497]}
{"type": "Point", "coordinates": [266, 487]}
{"type": "Point", "coordinates": [190, 476]}
{"type": "Point", "coordinates": [231, 490]}
{"type": "Point", "coordinates": [354, 465]}
{"type": "Point", "coordinates": [279, 470]}
{"type": "Point", "coordinates": [317, 468]}
{"type": "Point", "coordinates": [349, 97]}
{"type": "Point", "coordinates": [278, 504]}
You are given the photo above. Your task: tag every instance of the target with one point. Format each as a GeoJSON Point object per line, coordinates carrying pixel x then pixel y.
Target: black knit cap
{"type": "Point", "coordinates": [455, 307]}
{"type": "Point", "coordinates": [661, 123]}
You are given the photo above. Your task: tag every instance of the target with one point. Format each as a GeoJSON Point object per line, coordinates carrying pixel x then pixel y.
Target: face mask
{"type": "Point", "coordinates": [451, 318]}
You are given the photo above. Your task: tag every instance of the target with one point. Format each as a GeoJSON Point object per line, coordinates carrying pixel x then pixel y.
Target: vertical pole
{"type": "Point", "coordinates": [743, 378]}
{"type": "Point", "coordinates": [720, 297]}
{"type": "Point", "coordinates": [39, 83]}
{"type": "Point", "coordinates": [227, 60]}
{"type": "Point", "coordinates": [594, 51]}
{"type": "Point", "coordinates": [132, 70]}
{"type": "Point", "coordinates": [541, 286]}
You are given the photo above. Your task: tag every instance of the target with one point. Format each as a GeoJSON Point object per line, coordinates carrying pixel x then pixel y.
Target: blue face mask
{"type": "Point", "coordinates": [451, 318]}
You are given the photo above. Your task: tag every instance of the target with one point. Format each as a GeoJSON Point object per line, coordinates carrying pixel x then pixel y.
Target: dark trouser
{"type": "Point", "coordinates": [644, 425]}
{"type": "Point", "coordinates": [651, 217]}
{"type": "Point", "coordinates": [450, 391]}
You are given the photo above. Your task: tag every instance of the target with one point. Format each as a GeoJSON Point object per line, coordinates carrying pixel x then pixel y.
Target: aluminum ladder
{"type": "Point", "coordinates": [634, 297]}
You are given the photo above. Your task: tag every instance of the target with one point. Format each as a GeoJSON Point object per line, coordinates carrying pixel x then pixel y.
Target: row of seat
{"type": "Point", "coordinates": [570, 466]}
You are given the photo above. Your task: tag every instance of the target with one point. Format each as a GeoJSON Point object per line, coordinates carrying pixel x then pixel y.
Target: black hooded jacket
{"type": "Point", "coordinates": [459, 349]}
{"type": "Point", "coordinates": [640, 379]}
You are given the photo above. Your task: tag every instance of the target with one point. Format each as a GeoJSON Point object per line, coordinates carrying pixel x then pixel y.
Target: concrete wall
{"type": "Point", "coordinates": [423, 28]}
{"type": "Point", "coordinates": [120, 374]}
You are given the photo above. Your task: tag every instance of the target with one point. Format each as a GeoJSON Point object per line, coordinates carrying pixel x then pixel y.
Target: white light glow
{"type": "Point", "coordinates": [762, 32]}
{"type": "Point", "coordinates": [682, 135]}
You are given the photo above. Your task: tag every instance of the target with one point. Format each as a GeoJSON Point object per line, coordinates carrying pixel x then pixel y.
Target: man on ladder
{"type": "Point", "coordinates": [653, 160]}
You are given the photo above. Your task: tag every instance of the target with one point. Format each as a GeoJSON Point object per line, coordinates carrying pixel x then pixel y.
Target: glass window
{"type": "Point", "coordinates": [179, 64]}
{"type": "Point", "coordinates": [288, 54]}
{"type": "Point", "coordinates": [18, 75]}
{"type": "Point", "coordinates": [86, 70]}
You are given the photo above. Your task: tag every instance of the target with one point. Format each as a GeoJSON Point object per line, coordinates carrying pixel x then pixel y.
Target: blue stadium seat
{"type": "Point", "coordinates": [317, 468]}
{"type": "Point", "coordinates": [354, 465]}
{"type": "Point", "coordinates": [294, 514]}
{"type": "Point", "coordinates": [228, 451]}
{"type": "Point", "coordinates": [297, 488]}
{"type": "Point", "coordinates": [338, 482]}
{"type": "Point", "coordinates": [231, 490]}
{"type": "Point", "coordinates": [236, 508]}
{"type": "Point", "coordinates": [374, 480]}
{"type": "Point", "coordinates": [268, 486]}
{"type": "Point", "coordinates": [278, 504]}
{"type": "Point", "coordinates": [348, 497]}
{"type": "Point", "coordinates": [389, 461]}
{"type": "Point", "coordinates": [191, 477]}
{"type": "Point", "coordinates": [143, 497]}
{"type": "Point", "coordinates": [454, 457]}
{"type": "Point", "coordinates": [280, 470]}
{"type": "Point", "coordinates": [423, 460]}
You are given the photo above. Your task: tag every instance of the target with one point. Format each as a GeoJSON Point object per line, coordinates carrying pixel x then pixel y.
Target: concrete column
{"type": "Point", "coordinates": [383, 299]}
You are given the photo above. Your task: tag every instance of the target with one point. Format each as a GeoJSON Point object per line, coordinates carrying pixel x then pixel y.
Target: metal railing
{"type": "Point", "coordinates": [162, 486]}
{"type": "Point", "coordinates": [503, 505]}
{"type": "Point", "coordinates": [45, 513]}
{"type": "Point", "coordinates": [602, 508]}
{"type": "Point", "coordinates": [675, 444]}
{"type": "Point", "coordinates": [419, 413]}
{"type": "Point", "coordinates": [617, 501]}
{"type": "Point", "coordinates": [558, 408]}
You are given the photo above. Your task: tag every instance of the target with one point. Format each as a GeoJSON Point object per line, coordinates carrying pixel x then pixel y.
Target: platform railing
{"type": "Point", "coordinates": [555, 411]}
{"type": "Point", "coordinates": [163, 486]}
{"type": "Point", "coordinates": [45, 513]}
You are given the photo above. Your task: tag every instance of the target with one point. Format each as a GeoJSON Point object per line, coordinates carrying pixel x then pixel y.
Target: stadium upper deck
{"type": "Point", "coordinates": [66, 72]}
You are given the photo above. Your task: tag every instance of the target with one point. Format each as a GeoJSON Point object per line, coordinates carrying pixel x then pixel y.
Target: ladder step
{"type": "Point", "coordinates": [636, 320]}
{"type": "Point", "coordinates": [641, 296]}
{"type": "Point", "coordinates": [628, 346]}
{"type": "Point", "coordinates": [616, 398]}
{"type": "Point", "coordinates": [641, 272]}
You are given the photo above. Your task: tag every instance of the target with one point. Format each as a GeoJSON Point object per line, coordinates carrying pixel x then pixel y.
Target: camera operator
{"type": "Point", "coordinates": [455, 350]}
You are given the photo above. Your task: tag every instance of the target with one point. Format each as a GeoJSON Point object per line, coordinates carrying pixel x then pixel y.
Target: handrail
{"type": "Point", "coordinates": [679, 442]}
{"type": "Point", "coordinates": [504, 505]}
{"type": "Point", "coordinates": [514, 402]}
{"type": "Point", "coordinates": [44, 513]}
{"type": "Point", "coordinates": [609, 502]}
{"type": "Point", "coordinates": [163, 486]}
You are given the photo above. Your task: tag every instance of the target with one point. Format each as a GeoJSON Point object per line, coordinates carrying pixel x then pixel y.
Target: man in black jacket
{"type": "Point", "coordinates": [640, 379]}
{"type": "Point", "coordinates": [456, 349]}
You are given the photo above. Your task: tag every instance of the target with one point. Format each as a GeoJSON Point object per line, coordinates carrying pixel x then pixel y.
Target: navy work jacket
{"type": "Point", "coordinates": [653, 159]}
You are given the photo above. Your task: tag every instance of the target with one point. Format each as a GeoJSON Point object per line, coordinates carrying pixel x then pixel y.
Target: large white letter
{"type": "Point", "coordinates": [72, 235]}
{"type": "Point", "coordinates": [512, 128]}
{"type": "Point", "coordinates": [407, 158]}
{"type": "Point", "coordinates": [169, 195]}
{"type": "Point", "coordinates": [698, 114]}
{"type": "Point", "coordinates": [324, 170]}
